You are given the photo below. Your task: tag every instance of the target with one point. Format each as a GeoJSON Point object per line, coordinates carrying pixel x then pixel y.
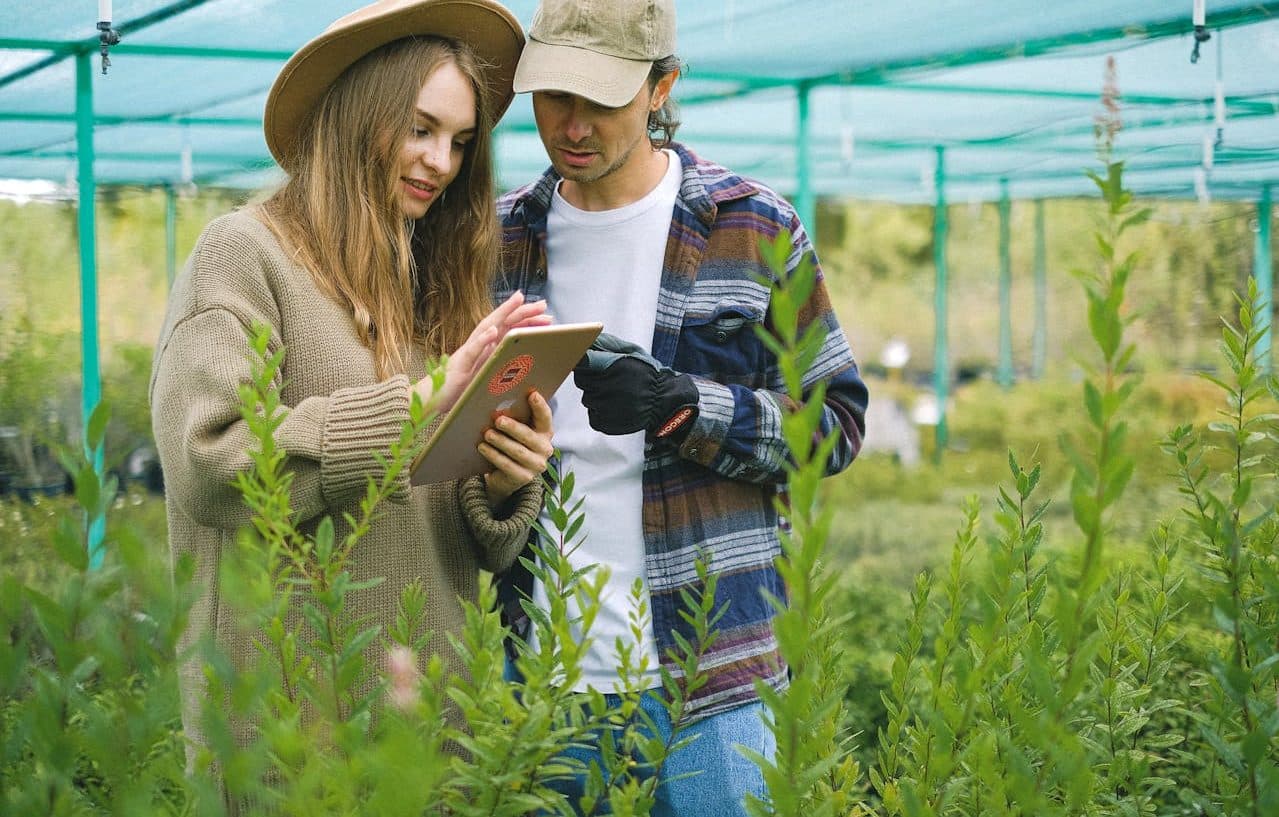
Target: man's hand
{"type": "Point", "coordinates": [625, 389]}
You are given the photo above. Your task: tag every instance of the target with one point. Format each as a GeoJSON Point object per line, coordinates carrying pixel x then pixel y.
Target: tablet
{"type": "Point", "coordinates": [533, 358]}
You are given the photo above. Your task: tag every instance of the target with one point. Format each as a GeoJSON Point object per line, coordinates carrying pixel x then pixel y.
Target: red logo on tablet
{"type": "Point", "coordinates": [510, 375]}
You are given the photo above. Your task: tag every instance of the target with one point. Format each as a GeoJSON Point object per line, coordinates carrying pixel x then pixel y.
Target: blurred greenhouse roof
{"type": "Point", "coordinates": [816, 97]}
{"type": "Point", "coordinates": [929, 101]}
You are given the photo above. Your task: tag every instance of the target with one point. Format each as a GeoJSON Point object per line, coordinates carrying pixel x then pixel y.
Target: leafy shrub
{"type": "Point", "coordinates": [1077, 654]}
{"type": "Point", "coordinates": [89, 672]}
{"type": "Point", "coordinates": [1029, 682]}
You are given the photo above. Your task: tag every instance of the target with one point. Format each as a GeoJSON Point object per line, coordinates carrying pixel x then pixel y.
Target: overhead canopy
{"type": "Point", "coordinates": [812, 96]}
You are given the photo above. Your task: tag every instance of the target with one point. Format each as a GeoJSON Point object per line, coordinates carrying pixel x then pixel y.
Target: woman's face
{"type": "Point", "coordinates": [443, 125]}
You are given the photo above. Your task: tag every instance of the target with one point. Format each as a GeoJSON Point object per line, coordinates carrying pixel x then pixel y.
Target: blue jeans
{"type": "Point", "coordinates": [712, 776]}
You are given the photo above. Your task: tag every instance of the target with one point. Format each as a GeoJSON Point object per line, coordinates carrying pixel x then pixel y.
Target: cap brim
{"type": "Point", "coordinates": [492, 32]}
{"type": "Point", "coordinates": [603, 79]}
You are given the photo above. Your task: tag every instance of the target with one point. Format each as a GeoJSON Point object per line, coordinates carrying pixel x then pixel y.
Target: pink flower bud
{"type": "Point", "coordinates": [402, 671]}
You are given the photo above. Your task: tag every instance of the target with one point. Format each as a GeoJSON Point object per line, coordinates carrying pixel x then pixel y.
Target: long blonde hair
{"type": "Point", "coordinates": [424, 282]}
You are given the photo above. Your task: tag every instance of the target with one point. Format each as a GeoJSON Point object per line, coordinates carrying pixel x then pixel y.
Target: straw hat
{"type": "Point", "coordinates": [492, 32]}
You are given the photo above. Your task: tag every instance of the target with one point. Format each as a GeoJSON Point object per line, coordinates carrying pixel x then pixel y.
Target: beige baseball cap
{"type": "Point", "coordinates": [598, 49]}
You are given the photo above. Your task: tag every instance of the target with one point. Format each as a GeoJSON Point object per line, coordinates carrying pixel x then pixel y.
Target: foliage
{"type": "Point", "coordinates": [335, 731]}
{"type": "Point", "coordinates": [1051, 684]}
{"type": "Point", "coordinates": [40, 318]}
{"type": "Point", "coordinates": [814, 772]}
{"type": "Point", "coordinates": [35, 392]}
{"type": "Point", "coordinates": [1234, 528]}
{"type": "Point", "coordinates": [1080, 651]}
{"type": "Point", "coordinates": [87, 676]}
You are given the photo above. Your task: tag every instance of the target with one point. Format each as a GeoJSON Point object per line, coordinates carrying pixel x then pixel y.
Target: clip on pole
{"type": "Point", "coordinates": [1202, 35]}
{"type": "Point", "coordinates": [107, 37]}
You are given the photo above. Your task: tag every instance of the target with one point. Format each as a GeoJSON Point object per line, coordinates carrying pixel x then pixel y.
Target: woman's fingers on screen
{"type": "Point", "coordinates": [484, 333]}
{"type": "Point", "coordinates": [501, 314]}
{"type": "Point", "coordinates": [536, 320]}
{"type": "Point", "coordinates": [530, 314]}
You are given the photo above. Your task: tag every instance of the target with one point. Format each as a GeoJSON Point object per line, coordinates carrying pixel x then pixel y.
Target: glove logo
{"type": "Point", "coordinates": [510, 374]}
{"type": "Point", "coordinates": [670, 426]}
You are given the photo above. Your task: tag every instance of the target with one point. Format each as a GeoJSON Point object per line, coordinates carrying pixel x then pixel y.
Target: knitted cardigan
{"type": "Point", "coordinates": [340, 415]}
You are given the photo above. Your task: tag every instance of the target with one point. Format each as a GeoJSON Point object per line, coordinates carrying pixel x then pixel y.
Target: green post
{"type": "Point", "coordinates": [1263, 272]}
{"type": "Point", "coordinates": [90, 376]}
{"type": "Point", "coordinates": [1039, 346]}
{"type": "Point", "coordinates": [495, 150]}
{"type": "Point", "coordinates": [804, 201]}
{"type": "Point", "coordinates": [170, 233]}
{"type": "Point", "coordinates": [941, 357]}
{"type": "Point", "coordinates": [1004, 373]}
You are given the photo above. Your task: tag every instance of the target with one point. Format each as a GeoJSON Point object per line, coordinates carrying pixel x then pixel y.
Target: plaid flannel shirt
{"type": "Point", "coordinates": [714, 493]}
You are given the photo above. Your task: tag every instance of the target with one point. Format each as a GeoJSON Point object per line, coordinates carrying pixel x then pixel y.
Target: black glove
{"type": "Point", "coordinates": [625, 389]}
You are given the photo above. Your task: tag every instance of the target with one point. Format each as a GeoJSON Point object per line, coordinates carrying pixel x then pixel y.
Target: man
{"type": "Point", "coordinates": [672, 430]}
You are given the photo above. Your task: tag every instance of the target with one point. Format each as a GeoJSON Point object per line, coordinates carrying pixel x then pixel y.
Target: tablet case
{"type": "Point", "coordinates": [535, 358]}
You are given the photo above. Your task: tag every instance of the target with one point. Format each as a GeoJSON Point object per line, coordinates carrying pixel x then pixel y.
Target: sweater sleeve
{"type": "Point", "coordinates": [329, 442]}
{"type": "Point", "coordinates": [499, 540]}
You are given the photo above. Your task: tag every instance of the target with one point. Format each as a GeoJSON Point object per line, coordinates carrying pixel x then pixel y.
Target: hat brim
{"type": "Point", "coordinates": [603, 79]}
{"type": "Point", "coordinates": [491, 31]}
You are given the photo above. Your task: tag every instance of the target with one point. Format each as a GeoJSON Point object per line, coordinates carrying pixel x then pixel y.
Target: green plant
{"type": "Point", "coordinates": [87, 678]}
{"type": "Point", "coordinates": [508, 740]}
{"type": "Point", "coordinates": [632, 750]}
{"type": "Point", "coordinates": [814, 771]}
{"type": "Point", "coordinates": [1235, 531]}
{"type": "Point", "coordinates": [89, 675]}
{"type": "Point", "coordinates": [1046, 675]}
{"type": "Point", "coordinates": [1120, 667]}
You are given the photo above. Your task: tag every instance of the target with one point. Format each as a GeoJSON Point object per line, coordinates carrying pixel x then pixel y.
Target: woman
{"type": "Point", "coordinates": [374, 255]}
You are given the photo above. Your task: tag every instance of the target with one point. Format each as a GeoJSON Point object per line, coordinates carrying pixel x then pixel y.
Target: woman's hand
{"type": "Point", "coordinates": [518, 452]}
{"type": "Point", "coordinates": [471, 355]}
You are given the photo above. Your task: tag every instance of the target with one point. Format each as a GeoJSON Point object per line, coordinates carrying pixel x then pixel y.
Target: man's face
{"type": "Point", "coordinates": [587, 143]}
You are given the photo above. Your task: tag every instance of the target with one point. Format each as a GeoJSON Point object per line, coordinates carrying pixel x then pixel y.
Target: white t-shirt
{"type": "Point", "coordinates": [607, 266]}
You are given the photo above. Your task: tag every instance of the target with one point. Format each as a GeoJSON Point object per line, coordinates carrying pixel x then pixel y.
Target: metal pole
{"type": "Point", "coordinates": [90, 377]}
{"type": "Point", "coordinates": [170, 233]}
{"type": "Point", "coordinates": [1004, 373]}
{"type": "Point", "coordinates": [941, 356]}
{"type": "Point", "coordinates": [495, 150]}
{"type": "Point", "coordinates": [1263, 273]}
{"type": "Point", "coordinates": [1039, 344]}
{"type": "Point", "coordinates": [804, 201]}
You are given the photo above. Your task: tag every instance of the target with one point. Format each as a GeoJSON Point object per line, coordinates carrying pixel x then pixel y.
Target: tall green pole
{"type": "Point", "coordinates": [1039, 343]}
{"type": "Point", "coordinates": [1004, 372]}
{"type": "Point", "coordinates": [804, 200]}
{"type": "Point", "coordinates": [495, 150]}
{"type": "Point", "coordinates": [90, 373]}
{"type": "Point", "coordinates": [941, 356]}
{"type": "Point", "coordinates": [170, 233]}
{"type": "Point", "coordinates": [1263, 272]}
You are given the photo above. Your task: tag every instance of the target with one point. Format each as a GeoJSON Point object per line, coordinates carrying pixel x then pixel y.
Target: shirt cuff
{"type": "Point", "coordinates": [710, 428]}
